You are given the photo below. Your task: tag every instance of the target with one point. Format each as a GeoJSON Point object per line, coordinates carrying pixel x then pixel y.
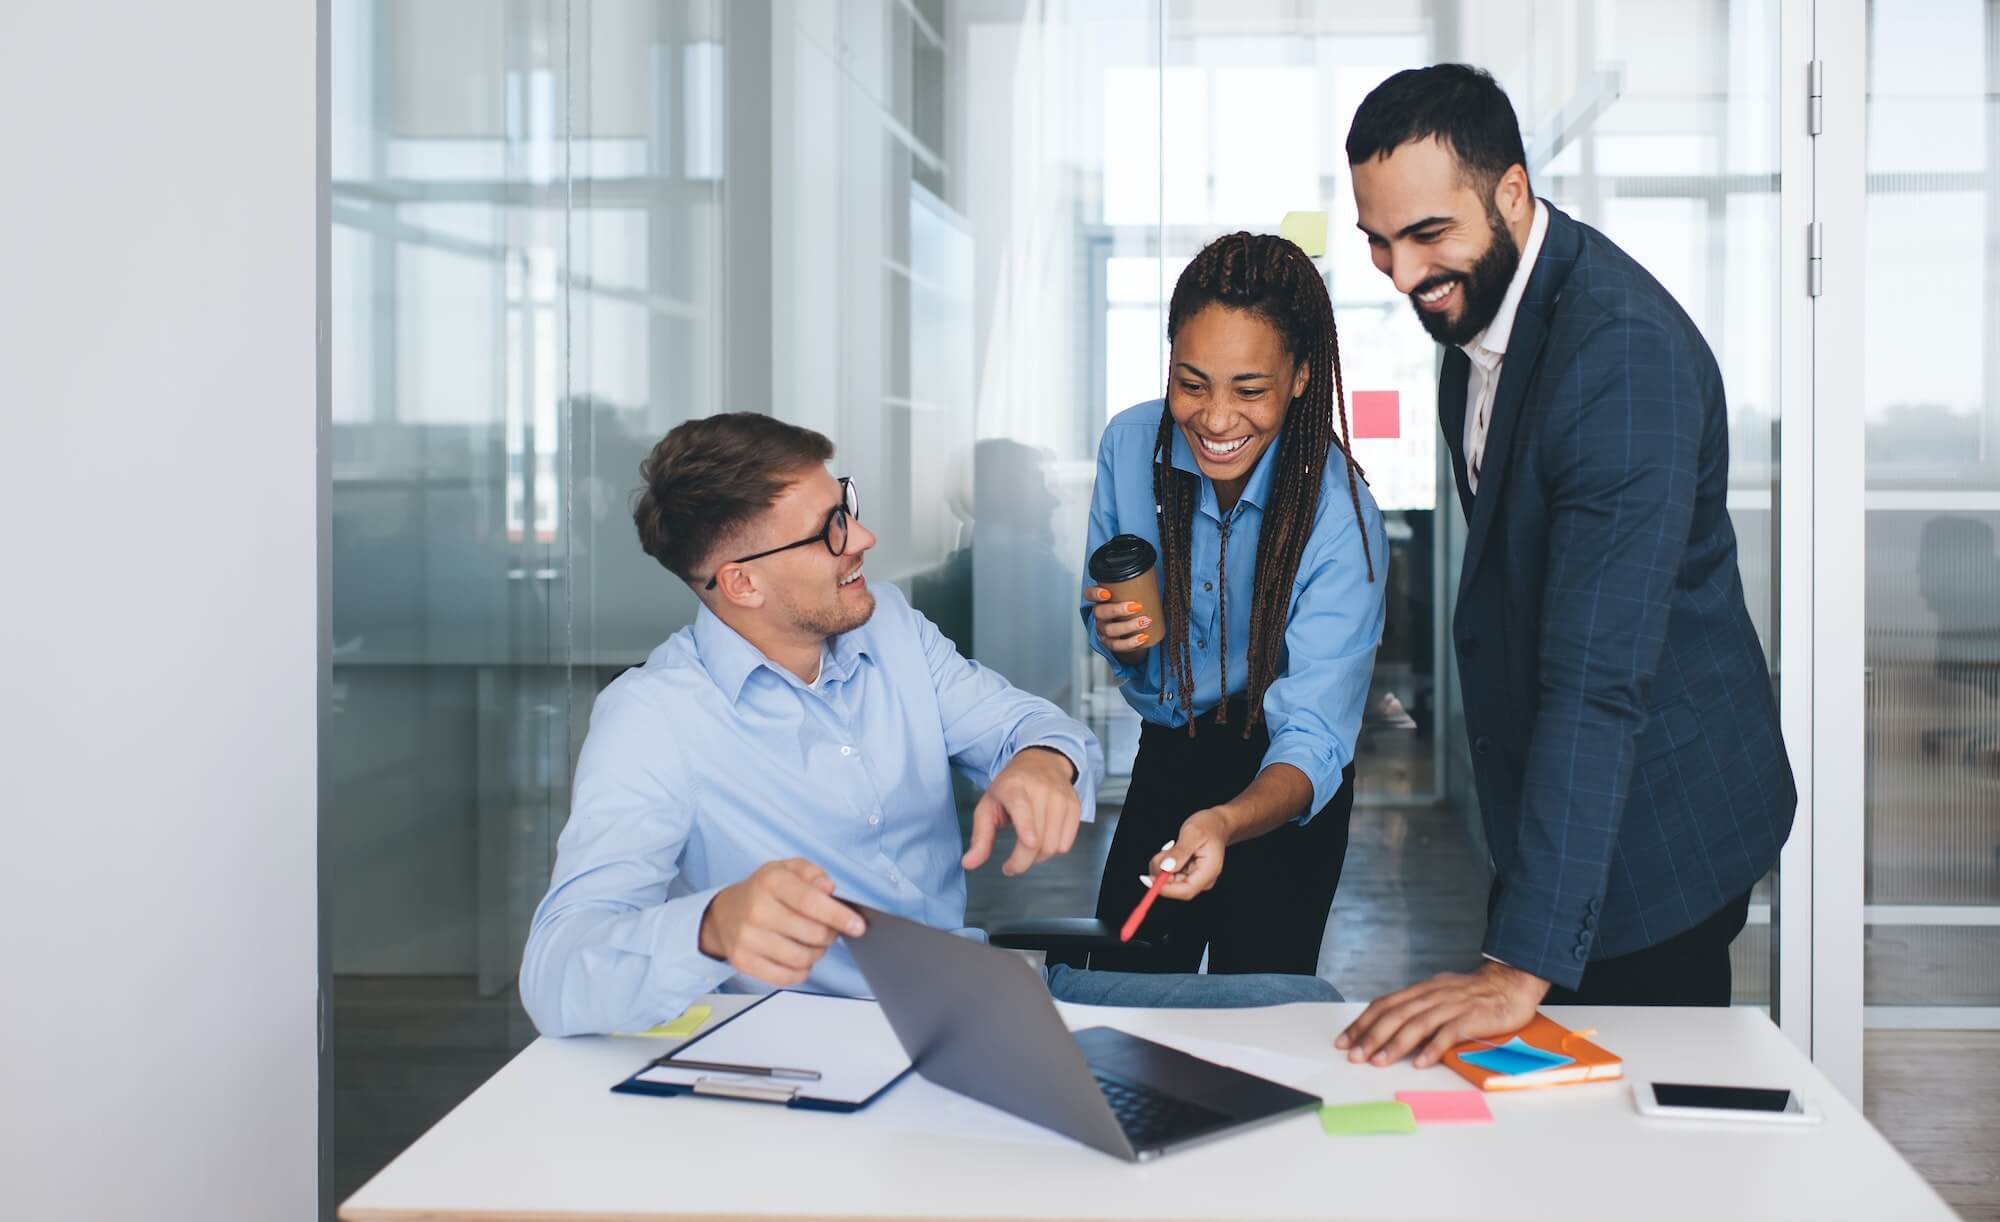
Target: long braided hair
{"type": "Point", "coordinates": [1273, 279]}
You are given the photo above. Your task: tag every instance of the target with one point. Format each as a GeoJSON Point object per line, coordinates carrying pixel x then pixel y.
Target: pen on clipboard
{"type": "Point", "coordinates": [1152, 893]}
{"type": "Point", "coordinates": [763, 1071]}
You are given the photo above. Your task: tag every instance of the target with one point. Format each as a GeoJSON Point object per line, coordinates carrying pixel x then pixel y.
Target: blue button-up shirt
{"type": "Point", "coordinates": [1314, 707]}
{"type": "Point", "coordinates": [711, 760]}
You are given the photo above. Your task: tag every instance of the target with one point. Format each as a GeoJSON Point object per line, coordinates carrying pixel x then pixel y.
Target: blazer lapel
{"type": "Point", "coordinates": [1518, 371]}
{"type": "Point", "coordinates": [1452, 379]}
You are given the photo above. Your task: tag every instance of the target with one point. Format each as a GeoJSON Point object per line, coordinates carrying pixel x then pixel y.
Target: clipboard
{"type": "Point", "coordinates": [1587, 1061]}
{"type": "Point", "coordinates": [845, 1041]}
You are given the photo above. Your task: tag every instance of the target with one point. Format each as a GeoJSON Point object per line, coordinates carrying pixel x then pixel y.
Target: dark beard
{"type": "Point", "coordinates": [1483, 288]}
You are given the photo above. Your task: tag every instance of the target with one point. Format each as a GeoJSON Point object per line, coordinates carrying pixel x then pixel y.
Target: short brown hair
{"type": "Point", "coordinates": [709, 478]}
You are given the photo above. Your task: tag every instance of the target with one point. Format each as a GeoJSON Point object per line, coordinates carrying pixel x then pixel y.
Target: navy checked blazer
{"type": "Point", "coordinates": [1625, 738]}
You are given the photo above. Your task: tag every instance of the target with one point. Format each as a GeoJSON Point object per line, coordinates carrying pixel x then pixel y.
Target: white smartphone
{"type": "Point", "coordinates": [1694, 1101]}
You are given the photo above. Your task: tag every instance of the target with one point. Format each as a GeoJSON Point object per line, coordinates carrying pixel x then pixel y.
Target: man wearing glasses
{"type": "Point", "coordinates": [791, 748]}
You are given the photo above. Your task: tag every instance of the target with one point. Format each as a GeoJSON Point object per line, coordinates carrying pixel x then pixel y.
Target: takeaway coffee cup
{"type": "Point", "coordinates": [1124, 566]}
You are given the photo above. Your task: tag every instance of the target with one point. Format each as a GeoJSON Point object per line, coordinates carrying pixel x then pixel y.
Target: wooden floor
{"type": "Point", "coordinates": [1411, 902]}
{"type": "Point", "coordinates": [1936, 1096]}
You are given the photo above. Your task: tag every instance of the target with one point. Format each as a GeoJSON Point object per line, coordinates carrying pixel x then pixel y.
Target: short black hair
{"type": "Point", "coordinates": [1456, 103]}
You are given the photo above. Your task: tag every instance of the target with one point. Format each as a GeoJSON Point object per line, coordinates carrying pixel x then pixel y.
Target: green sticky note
{"type": "Point", "coordinates": [687, 1024]}
{"type": "Point", "coordinates": [1305, 230]}
{"type": "Point", "coordinates": [1360, 1119]}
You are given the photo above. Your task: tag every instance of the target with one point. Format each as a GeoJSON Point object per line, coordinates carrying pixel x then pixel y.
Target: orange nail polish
{"type": "Point", "coordinates": [1141, 638]}
{"type": "Point", "coordinates": [1131, 607]}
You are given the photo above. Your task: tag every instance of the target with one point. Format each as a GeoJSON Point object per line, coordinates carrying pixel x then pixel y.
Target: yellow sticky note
{"type": "Point", "coordinates": [687, 1024]}
{"type": "Point", "coordinates": [1306, 230]}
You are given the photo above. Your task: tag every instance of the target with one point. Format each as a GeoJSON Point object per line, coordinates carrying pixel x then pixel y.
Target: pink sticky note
{"type": "Point", "coordinates": [1377, 413]}
{"type": "Point", "coordinates": [1446, 1106]}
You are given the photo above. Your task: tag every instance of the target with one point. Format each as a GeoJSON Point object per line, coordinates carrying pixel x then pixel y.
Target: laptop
{"type": "Point", "coordinates": [980, 1021]}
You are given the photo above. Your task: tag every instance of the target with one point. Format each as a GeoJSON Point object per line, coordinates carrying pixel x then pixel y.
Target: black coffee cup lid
{"type": "Point", "coordinates": [1122, 558]}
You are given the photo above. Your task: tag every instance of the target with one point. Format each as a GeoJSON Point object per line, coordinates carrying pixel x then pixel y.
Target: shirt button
{"type": "Point", "coordinates": [893, 878]}
{"type": "Point", "coordinates": [1201, 644]}
{"type": "Point", "coordinates": [1208, 585]}
{"type": "Point", "coordinates": [873, 820]}
{"type": "Point", "coordinates": [847, 751]}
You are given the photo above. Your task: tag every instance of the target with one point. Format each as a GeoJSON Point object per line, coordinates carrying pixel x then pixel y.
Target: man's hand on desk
{"type": "Point", "coordinates": [774, 925]}
{"type": "Point", "coordinates": [1447, 1009]}
{"type": "Point", "coordinates": [1036, 794]}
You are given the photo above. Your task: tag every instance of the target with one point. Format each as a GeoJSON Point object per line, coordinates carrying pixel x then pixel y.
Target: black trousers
{"type": "Point", "coordinates": [1267, 911]}
{"type": "Point", "coordinates": [1689, 969]}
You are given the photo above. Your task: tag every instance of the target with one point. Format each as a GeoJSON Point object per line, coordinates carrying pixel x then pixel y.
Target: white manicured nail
{"type": "Point", "coordinates": [1145, 880]}
{"type": "Point", "coordinates": [1169, 844]}
{"type": "Point", "coordinates": [1168, 865]}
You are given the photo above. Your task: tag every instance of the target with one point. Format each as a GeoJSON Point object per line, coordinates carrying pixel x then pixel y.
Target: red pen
{"type": "Point", "coordinates": [1146, 903]}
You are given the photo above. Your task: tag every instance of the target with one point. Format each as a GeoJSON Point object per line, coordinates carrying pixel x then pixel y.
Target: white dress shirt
{"type": "Point", "coordinates": [1488, 349]}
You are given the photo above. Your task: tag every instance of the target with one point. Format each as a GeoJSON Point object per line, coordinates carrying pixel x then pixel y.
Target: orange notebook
{"type": "Point", "coordinates": [1587, 1063]}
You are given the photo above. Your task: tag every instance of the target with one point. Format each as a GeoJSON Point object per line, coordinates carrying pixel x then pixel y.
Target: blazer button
{"type": "Point", "coordinates": [1482, 744]}
{"type": "Point", "coordinates": [1582, 953]}
{"type": "Point", "coordinates": [1583, 939]}
{"type": "Point", "coordinates": [1591, 905]}
{"type": "Point", "coordinates": [1588, 921]}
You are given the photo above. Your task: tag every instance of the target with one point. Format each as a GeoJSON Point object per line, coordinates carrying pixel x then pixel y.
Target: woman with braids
{"type": "Point", "coordinates": [1270, 564]}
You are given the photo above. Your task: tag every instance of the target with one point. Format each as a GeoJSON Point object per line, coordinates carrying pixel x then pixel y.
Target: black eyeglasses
{"type": "Point", "coordinates": [833, 534]}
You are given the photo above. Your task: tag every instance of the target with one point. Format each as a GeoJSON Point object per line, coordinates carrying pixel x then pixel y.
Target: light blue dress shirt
{"type": "Point", "coordinates": [711, 760]}
{"type": "Point", "coordinates": [1314, 707]}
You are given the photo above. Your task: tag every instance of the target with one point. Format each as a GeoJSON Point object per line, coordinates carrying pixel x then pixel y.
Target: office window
{"type": "Point", "coordinates": [943, 234]}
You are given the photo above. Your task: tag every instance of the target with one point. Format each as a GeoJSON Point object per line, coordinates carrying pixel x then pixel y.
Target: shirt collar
{"type": "Point", "coordinates": [730, 660]}
{"type": "Point", "coordinates": [1256, 492]}
{"type": "Point", "coordinates": [1487, 347]}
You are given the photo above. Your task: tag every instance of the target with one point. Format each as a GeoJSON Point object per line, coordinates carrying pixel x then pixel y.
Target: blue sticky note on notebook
{"type": "Point", "coordinates": [1515, 1056]}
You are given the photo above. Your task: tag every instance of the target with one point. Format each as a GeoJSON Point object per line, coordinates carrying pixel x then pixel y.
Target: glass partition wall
{"type": "Point", "coordinates": [1932, 949]}
{"type": "Point", "coordinates": [943, 234]}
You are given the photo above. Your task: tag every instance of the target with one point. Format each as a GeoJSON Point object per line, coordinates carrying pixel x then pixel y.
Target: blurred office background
{"type": "Point", "coordinates": [943, 232]}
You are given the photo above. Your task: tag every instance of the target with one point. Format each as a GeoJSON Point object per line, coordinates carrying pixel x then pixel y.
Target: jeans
{"type": "Point", "coordinates": [1183, 990]}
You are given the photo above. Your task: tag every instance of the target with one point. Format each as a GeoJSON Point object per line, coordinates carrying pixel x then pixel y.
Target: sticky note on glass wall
{"type": "Point", "coordinates": [1377, 413]}
{"type": "Point", "coordinates": [1306, 230]}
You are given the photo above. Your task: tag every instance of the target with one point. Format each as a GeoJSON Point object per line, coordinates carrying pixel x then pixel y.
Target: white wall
{"type": "Point", "coordinates": [158, 613]}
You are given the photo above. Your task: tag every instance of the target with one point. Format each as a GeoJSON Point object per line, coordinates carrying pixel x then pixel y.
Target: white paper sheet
{"type": "Point", "coordinates": [846, 1039]}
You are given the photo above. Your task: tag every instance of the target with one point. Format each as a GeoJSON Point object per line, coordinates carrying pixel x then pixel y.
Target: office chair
{"type": "Point", "coordinates": [1066, 940]}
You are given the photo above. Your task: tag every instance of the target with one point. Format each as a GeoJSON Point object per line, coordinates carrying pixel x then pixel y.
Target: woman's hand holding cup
{"type": "Point", "coordinates": [1122, 627]}
{"type": "Point", "coordinates": [1125, 601]}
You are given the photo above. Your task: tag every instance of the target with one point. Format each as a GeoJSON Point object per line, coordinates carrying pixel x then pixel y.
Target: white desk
{"type": "Point", "coordinates": [545, 1138]}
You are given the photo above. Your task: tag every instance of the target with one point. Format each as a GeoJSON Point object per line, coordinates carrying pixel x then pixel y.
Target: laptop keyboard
{"type": "Point", "coordinates": [1149, 1116]}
